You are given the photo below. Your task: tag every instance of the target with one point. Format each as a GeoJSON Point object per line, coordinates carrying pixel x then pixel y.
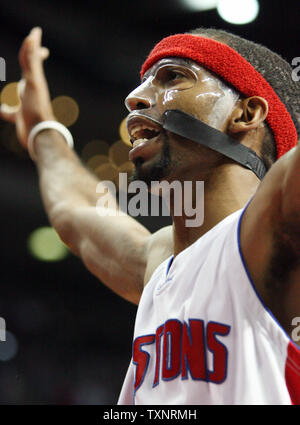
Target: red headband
{"type": "Point", "coordinates": [233, 68]}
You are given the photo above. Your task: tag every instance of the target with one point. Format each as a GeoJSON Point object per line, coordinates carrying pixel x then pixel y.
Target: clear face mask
{"type": "Point", "coordinates": [175, 83]}
{"type": "Point", "coordinates": [199, 105]}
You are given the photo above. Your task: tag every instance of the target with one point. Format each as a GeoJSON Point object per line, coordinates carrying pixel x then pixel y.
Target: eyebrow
{"type": "Point", "coordinates": [167, 61]}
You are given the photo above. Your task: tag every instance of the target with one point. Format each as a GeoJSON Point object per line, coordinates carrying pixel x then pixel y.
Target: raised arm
{"type": "Point", "coordinates": [270, 238]}
{"type": "Point", "coordinates": [114, 248]}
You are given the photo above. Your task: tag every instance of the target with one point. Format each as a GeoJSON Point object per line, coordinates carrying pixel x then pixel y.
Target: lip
{"type": "Point", "coordinates": [145, 149]}
{"type": "Point", "coordinates": [135, 119]}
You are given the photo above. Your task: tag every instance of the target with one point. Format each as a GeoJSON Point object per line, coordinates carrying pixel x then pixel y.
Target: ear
{"type": "Point", "coordinates": [248, 114]}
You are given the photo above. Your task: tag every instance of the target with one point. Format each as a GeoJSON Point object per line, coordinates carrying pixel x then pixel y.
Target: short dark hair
{"type": "Point", "coordinates": [276, 71]}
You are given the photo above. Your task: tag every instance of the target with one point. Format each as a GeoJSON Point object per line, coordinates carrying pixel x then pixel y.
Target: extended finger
{"type": "Point", "coordinates": [31, 53]}
{"type": "Point", "coordinates": [36, 35]}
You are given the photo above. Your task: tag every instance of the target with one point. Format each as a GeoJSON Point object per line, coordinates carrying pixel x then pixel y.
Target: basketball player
{"type": "Point", "coordinates": [216, 302]}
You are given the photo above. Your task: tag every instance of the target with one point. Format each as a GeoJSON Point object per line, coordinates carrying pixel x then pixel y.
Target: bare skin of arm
{"type": "Point", "coordinates": [114, 248]}
{"type": "Point", "coordinates": [120, 251]}
{"type": "Point", "coordinates": [270, 239]}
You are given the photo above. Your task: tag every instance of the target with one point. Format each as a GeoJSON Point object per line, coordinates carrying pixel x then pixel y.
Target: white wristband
{"type": "Point", "coordinates": [43, 125]}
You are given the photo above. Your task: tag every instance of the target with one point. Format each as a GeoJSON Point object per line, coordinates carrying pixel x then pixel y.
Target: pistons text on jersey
{"type": "Point", "coordinates": [182, 349]}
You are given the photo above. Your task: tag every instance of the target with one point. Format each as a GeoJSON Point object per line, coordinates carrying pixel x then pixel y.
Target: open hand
{"type": "Point", "coordinates": [33, 88]}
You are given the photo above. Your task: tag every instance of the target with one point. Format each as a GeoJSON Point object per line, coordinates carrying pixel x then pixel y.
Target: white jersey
{"type": "Point", "coordinates": [203, 336]}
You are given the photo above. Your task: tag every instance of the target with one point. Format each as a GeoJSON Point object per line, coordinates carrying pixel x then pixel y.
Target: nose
{"type": "Point", "coordinates": [133, 103]}
{"type": "Point", "coordinates": [141, 98]}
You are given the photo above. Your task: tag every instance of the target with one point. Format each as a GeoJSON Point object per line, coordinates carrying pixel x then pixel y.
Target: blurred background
{"type": "Point", "coordinates": [68, 337]}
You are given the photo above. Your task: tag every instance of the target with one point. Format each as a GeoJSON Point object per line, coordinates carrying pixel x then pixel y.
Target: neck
{"type": "Point", "coordinates": [226, 190]}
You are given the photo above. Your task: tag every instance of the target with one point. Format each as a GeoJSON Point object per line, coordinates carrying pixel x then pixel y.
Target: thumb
{"type": "Point", "coordinates": [45, 52]}
{"type": "Point", "coordinates": [8, 113]}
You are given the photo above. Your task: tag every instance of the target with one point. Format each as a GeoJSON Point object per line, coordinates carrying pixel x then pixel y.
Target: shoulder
{"type": "Point", "coordinates": [269, 244]}
{"type": "Point", "coordinates": [262, 223]}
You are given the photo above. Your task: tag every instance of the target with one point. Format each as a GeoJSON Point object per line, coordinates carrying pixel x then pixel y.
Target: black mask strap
{"type": "Point", "coordinates": [185, 125]}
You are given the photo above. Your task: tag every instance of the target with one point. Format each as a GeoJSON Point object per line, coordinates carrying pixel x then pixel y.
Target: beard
{"type": "Point", "coordinates": [155, 171]}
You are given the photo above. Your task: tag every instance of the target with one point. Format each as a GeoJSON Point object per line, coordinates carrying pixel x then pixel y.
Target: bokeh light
{"type": "Point", "coordinates": [10, 96]}
{"type": "Point", "coordinates": [107, 172]}
{"type": "Point", "coordinates": [66, 110]}
{"type": "Point", "coordinates": [118, 153]}
{"type": "Point", "coordinates": [45, 245]}
{"type": "Point", "coordinates": [9, 347]}
{"type": "Point", "coordinates": [94, 147]}
{"type": "Point", "coordinates": [198, 5]}
{"type": "Point", "coordinates": [237, 11]}
{"type": "Point", "coordinates": [126, 167]}
{"type": "Point", "coordinates": [96, 160]}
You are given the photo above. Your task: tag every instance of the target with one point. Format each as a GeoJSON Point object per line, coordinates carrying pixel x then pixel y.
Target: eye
{"type": "Point", "coordinates": [173, 74]}
{"type": "Point", "coordinates": [170, 75]}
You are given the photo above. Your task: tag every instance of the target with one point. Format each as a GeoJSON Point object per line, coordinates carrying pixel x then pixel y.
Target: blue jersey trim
{"type": "Point", "coordinates": [251, 281]}
{"type": "Point", "coordinates": [169, 264]}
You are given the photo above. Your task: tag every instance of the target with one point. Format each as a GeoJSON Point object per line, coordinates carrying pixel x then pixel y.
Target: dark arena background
{"type": "Point", "coordinates": [68, 337]}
